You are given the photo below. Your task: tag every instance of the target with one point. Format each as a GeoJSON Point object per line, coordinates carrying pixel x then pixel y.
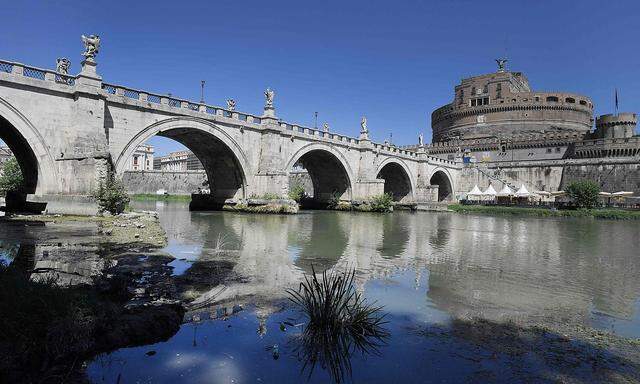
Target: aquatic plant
{"type": "Point", "coordinates": [340, 322]}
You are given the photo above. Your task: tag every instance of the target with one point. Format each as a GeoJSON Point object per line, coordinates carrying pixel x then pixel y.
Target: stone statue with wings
{"type": "Point", "coordinates": [91, 46]}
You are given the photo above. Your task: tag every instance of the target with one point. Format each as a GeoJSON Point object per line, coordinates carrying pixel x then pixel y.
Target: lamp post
{"type": "Point", "coordinates": [201, 91]}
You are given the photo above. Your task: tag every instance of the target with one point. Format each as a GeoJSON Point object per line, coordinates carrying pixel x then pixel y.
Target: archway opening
{"type": "Point", "coordinates": [396, 182]}
{"type": "Point", "coordinates": [445, 190]}
{"type": "Point", "coordinates": [323, 177]}
{"type": "Point", "coordinates": [188, 162]}
{"type": "Point", "coordinates": [13, 144]}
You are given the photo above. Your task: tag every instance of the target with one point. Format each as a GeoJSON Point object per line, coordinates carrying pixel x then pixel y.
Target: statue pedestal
{"type": "Point", "coordinates": [269, 112]}
{"type": "Point", "coordinates": [88, 75]}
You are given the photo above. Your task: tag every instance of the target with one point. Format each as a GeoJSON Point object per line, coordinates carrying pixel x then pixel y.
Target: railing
{"type": "Point", "coordinates": [36, 73]}
{"type": "Point", "coordinates": [129, 93]}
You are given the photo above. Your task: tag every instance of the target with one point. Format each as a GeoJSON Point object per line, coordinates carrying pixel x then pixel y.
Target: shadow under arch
{"type": "Point", "coordinates": [26, 143]}
{"type": "Point", "coordinates": [329, 171]}
{"type": "Point", "coordinates": [445, 186]}
{"type": "Point", "coordinates": [397, 180]}
{"type": "Point", "coordinates": [223, 159]}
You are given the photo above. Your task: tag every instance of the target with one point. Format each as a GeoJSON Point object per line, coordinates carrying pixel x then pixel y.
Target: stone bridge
{"type": "Point", "coordinates": [68, 132]}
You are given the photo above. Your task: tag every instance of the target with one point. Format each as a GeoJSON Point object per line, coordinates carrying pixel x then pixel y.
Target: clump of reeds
{"type": "Point", "coordinates": [340, 322]}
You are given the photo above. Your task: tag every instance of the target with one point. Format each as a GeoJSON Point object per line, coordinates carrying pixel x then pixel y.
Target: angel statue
{"type": "Point", "coordinates": [231, 104]}
{"type": "Point", "coordinates": [62, 65]}
{"type": "Point", "coordinates": [91, 46]}
{"type": "Point", "coordinates": [501, 64]}
{"type": "Point", "coordinates": [268, 94]}
{"type": "Point", "coordinates": [325, 127]}
{"type": "Point", "coordinates": [363, 125]}
{"type": "Point", "coordinates": [420, 139]}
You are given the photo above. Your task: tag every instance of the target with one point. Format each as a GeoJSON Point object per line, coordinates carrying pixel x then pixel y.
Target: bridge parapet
{"type": "Point", "coordinates": [20, 69]}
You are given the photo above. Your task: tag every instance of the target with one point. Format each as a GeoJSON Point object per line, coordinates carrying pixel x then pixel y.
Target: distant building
{"type": "Point", "coordinates": [178, 161]}
{"type": "Point", "coordinates": [142, 159]}
{"type": "Point", "coordinates": [5, 154]}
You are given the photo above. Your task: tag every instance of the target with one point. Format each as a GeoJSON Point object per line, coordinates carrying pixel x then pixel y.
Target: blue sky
{"type": "Point", "coordinates": [392, 61]}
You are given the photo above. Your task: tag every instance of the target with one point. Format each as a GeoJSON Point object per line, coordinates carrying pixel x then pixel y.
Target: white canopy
{"type": "Point", "coordinates": [605, 194]}
{"type": "Point", "coordinates": [489, 191]}
{"type": "Point", "coordinates": [622, 193]}
{"type": "Point", "coordinates": [505, 191]}
{"type": "Point", "coordinates": [543, 193]}
{"type": "Point", "coordinates": [475, 191]}
{"type": "Point", "coordinates": [558, 193]}
{"type": "Point", "coordinates": [523, 192]}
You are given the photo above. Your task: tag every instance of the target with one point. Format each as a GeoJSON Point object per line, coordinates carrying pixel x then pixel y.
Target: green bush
{"type": "Point", "coordinates": [297, 193]}
{"type": "Point", "coordinates": [382, 203]}
{"type": "Point", "coordinates": [334, 200]}
{"type": "Point", "coordinates": [270, 196]}
{"type": "Point", "coordinates": [584, 193]}
{"type": "Point", "coordinates": [11, 177]}
{"type": "Point", "coordinates": [111, 196]}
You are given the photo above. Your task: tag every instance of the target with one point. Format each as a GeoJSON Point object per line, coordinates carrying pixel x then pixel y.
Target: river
{"type": "Point", "coordinates": [425, 269]}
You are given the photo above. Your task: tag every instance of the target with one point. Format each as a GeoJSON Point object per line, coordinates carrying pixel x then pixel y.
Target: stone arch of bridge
{"type": "Point", "coordinates": [398, 180]}
{"type": "Point", "coordinates": [224, 161]}
{"type": "Point", "coordinates": [328, 169]}
{"type": "Point", "coordinates": [442, 178]}
{"type": "Point", "coordinates": [28, 146]}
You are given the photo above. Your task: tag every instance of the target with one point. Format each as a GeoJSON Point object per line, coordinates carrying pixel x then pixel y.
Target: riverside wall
{"type": "Point", "coordinates": [175, 183]}
{"type": "Point", "coordinates": [612, 174]}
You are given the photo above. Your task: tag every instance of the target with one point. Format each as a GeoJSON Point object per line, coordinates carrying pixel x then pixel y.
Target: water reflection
{"type": "Point", "coordinates": [495, 267]}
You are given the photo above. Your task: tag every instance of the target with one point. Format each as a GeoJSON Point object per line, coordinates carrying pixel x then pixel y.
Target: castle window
{"type": "Point", "coordinates": [549, 150]}
{"type": "Point", "coordinates": [499, 90]}
{"type": "Point", "coordinates": [485, 89]}
{"type": "Point", "coordinates": [552, 99]}
{"type": "Point", "coordinates": [477, 102]}
{"type": "Point", "coordinates": [570, 100]}
{"type": "Point", "coordinates": [473, 90]}
{"type": "Point", "coordinates": [537, 98]}
{"type": "Point", "coordinates": [461, 97]}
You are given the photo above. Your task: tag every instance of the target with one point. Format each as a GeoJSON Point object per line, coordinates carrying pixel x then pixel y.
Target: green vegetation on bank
{"type": "Point", "coordinates": [599, 213]}
{"type": "Point", "coordinates": [154, 197]}
{"type": "Point", "coordinates": [10, 177]}
{"type": "Point", "coordinates": [584, 193]}
{"type": "Point", "coordinates": [111, 196]}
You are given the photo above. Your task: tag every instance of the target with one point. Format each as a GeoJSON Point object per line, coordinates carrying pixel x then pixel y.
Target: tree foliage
{"type": "Point", "coordinates": [584, 193]}
{"type": "Point", "coordinates": [111, 196]}
{"type": "Point", "coordinates": [11, 178]}
{"type": "Point", "coordinates": [382, 203]}
{"type": "Point", "coordinates": [297, 193]}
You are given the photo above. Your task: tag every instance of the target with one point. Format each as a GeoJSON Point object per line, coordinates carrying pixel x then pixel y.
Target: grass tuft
{"type": "Point", "coordinates": [340, 322]}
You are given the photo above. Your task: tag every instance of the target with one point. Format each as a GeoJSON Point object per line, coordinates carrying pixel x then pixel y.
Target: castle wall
{"type": "Point", "coordinates": [175, 183]}
{"type": "Point", "coordinates": [613, 174]}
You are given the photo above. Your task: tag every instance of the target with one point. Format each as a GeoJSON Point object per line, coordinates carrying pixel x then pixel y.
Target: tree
{"type": "Point", "coordinates": [111, 196]}
{"type": "Point", "coordinates": [11, 177]}
{"type": "Point", "coordinates": [584, 193]}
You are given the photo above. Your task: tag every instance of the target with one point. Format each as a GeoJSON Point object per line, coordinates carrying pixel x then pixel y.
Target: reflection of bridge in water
{"type": "Point", "coordinates": [497, 267]}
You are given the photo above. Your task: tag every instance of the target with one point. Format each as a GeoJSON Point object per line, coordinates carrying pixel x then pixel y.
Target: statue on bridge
{"type": "Point", "coordinates": [420, 140]}
{"type": "Point", "coordinates": [62, 65]}
{"type": "Point", "coordinates": [268, 94]}
{"type": "Point", "coordinates": [231, 104]}
{"type": "Point", "coordinates": [325, 127]}
{"type": "Point", "coordinates": [364, 131]}
{"type": "Point", "coordinates": [91, 46]}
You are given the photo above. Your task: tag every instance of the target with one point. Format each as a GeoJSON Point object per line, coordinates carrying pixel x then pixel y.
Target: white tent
{"type": "Point", "coordinates": [475, 193]}
{"type": "Point", "coordinates": [543, 193]}
{"type": "Point", "coordinates": [489, 193]}
{"type": "Point", "coordinates": [505, 191]}
{"type": "Point", "coordinates": [605, 194]}
{"type": "Point", "coordinates": [622, 194]}
{"type": "Point", "coordinates": [523, 192]}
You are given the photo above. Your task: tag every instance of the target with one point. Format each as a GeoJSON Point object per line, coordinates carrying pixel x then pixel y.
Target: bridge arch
{"type": "Point", "coordinates": [442, 178]}
{"type": "Point", "coordinates": [398, 180]}
{"type": "Point", "coordinates": [224, 161]}
{"type": "Point", "coordinates": [28, 146]}
{"type": "Point", "coordinates": [328, 169]}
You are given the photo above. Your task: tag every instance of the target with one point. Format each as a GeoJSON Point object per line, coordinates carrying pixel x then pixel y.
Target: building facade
{"type": "Point", "coordinates": [5, 154]}
{"type": "Point", "coordinates": [142, 158]}
{"type": "Point", "coordinates": [178, 161]}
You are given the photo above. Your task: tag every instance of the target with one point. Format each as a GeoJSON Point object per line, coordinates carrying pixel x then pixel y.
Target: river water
{"type": "Point", "coordinates": [426, 269]}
